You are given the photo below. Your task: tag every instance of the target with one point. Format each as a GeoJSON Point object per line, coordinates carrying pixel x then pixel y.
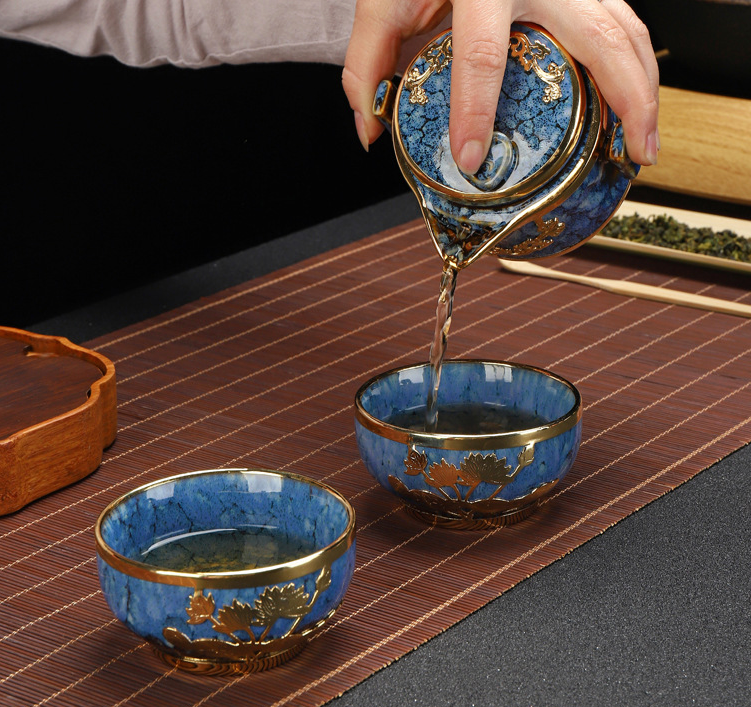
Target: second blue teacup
{"type": "Point", "coordinates": [507, 434]}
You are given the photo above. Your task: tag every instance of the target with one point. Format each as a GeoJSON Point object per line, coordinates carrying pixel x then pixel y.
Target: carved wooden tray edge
{"type": "Point", "coordinates": [61, 450]}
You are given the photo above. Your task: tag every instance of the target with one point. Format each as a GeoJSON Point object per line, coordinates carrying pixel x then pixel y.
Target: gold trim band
{"type": "Point", "coordinates": [481, 442]}
{"type": "Point", "coordinates": [260, 576]}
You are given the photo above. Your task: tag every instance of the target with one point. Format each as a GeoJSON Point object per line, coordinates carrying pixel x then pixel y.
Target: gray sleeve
{"type": "Point", "coordinates": [187, 33]}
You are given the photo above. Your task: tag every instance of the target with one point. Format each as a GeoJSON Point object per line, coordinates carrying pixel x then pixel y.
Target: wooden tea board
{"type": "Point", "coordinates": [57, 414]}
{"type": "Point", "coordinates": [264, 374]}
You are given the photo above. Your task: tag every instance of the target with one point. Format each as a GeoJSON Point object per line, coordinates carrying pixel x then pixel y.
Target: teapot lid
{"type": "Point", "coordinates": [537, 125]}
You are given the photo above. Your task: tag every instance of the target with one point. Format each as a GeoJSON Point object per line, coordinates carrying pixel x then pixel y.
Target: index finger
{"type": "Point", "coordinates": [480, 45]}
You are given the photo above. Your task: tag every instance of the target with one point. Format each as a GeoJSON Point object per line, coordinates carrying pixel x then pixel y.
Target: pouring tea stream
{"type": "Point", "coordinates": [555, 174]}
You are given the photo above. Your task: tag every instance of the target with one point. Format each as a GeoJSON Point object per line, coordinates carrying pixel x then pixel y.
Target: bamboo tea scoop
{"type": "Point", "coordinates": [633, 289]}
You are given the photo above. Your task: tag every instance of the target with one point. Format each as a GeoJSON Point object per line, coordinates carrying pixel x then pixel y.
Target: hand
{"type": "Point", "coordinates": [606, 37]}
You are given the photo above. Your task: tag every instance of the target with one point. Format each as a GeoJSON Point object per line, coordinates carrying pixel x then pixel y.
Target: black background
{"type": "Point", "coordinates": [112, 177]}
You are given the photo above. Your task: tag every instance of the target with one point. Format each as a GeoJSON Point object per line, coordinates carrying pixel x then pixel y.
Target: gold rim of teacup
{"type": "Point", "coordinates": [529, 184]}
{"type": "Point", "coordinates": [271, 574]}
{"type": "Point", "coordinates": [484, 442]}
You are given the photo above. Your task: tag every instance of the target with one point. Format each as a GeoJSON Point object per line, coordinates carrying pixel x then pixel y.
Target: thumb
{"type": "Point", "coordinates": [372, 55]}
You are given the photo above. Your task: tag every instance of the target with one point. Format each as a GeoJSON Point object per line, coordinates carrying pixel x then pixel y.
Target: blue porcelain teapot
{"type": "Point", "coordinates": [556, 170]}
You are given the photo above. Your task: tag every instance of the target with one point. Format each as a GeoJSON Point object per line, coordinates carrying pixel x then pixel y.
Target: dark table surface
{"type": "Point", "coordinates": [656, 611]}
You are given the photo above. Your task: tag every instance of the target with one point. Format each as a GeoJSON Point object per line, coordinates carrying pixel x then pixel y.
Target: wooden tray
{"type": "Point", "coordinates": [705, 144]}
{"type": "Point", "coordinates": [57, 414]}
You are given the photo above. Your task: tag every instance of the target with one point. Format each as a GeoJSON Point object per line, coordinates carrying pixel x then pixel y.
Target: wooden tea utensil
{"type": "Point", "coordinates": [632, 289]}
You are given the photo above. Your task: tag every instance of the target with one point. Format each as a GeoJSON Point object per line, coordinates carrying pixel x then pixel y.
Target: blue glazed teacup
{"type": "Point", "coordinates": [510, 433]}
{"type": "Point", "coordinates": [557, 168]}
{"type": "Point", "coordinates": [229, 570]}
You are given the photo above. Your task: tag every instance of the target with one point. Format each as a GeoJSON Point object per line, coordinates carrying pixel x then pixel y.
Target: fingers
{"type": "Point", "coordinates": [480, 45]}
{"type": "Point", "coordinates": [372, 56]}
{"type": "Point", "coordinates": [614, 45]}
{"type": "Point", "coordinates": [639, 37]}
{"type": "Point", "coordinates": [606, 37]}
{"type": "Point", "coordinates": [642, 46]}
{"type": "Point", "coordinates": [379, 30]}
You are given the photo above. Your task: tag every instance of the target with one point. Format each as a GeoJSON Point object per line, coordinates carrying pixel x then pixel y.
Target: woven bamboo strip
{"type": "Point", "coordinates": [265, 373]}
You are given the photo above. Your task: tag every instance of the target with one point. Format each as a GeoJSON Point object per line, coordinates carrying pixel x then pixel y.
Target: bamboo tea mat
{"type": "Point", "coordinates": [264, 375]}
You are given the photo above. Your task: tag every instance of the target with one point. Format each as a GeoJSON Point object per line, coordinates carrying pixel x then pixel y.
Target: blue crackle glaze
{"type": "Point", "coordinates": [285, 508]}
{"type": "Point", "coordinates": [523, 117]}
{"type": "Point", "coordinates": [147, 607]}
{"type": "Point", "coordinates": [380, 96]}
{"type": "Point", "coordinates": [524, 184]}
{"type": "Point", "coordinates": [518, 388]}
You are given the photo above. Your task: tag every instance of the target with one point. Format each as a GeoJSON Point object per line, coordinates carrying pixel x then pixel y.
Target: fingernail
{"type": "Point", "coordinates": [471, 156]}
{"type": "Point", "coordinates": [362, 133]}
{"type": "Point", "coordinates": [652, 146]}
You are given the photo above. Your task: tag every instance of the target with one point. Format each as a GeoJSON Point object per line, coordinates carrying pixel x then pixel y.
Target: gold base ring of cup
{"type": "Point", "coordinates": [499, 521]}
{"type": "Point", "coordinates": [207, 666]}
